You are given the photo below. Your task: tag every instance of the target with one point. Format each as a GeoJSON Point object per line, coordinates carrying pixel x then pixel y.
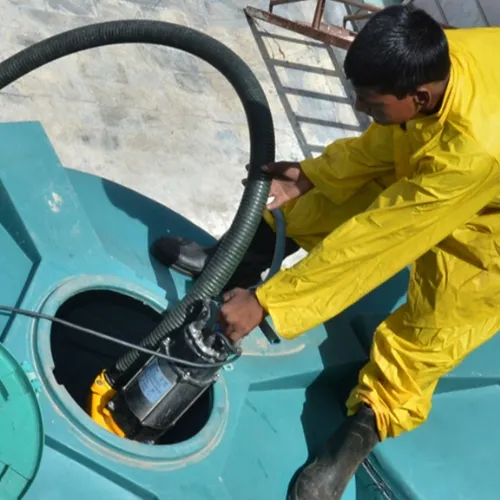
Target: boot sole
{"type": "Point", "coordinates": [183, 271]}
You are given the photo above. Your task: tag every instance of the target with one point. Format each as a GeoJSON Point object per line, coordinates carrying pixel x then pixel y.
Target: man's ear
{"type": "Point", "coordinates": [421, 97]}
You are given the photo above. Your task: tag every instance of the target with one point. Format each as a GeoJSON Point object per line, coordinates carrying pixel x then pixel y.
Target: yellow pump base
{"type": "Point", "coordinates": [100, 393]}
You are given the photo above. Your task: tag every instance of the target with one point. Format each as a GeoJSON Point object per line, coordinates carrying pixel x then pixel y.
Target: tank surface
{"type": "Point", "coordinates": [76, 246]}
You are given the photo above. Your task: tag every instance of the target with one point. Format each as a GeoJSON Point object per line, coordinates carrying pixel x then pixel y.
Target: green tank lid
{"type": "Point", "coordinates": [22, 441]}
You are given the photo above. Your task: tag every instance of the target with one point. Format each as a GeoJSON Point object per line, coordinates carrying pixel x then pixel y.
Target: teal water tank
{"type": "Point", "coordinates": [76, 246]}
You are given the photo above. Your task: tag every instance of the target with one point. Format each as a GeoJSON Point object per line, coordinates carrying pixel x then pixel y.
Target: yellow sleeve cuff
{"type": "Point", "coordinates": [312, 170]}
{"type": "Point", "coordinates": [261, 294]}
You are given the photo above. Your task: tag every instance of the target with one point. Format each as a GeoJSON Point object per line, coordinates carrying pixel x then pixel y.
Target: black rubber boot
{"type": "Point", "coordinates": [187, 257]}
{"type": "Point", "coordinates": [327, 477]}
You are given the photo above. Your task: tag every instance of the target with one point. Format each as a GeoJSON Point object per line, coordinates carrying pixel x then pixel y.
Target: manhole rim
{"type": "Point", "coordinates": [93, 436]}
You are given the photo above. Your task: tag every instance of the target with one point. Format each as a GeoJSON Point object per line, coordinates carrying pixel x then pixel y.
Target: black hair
{"type": "Point", "coordinates": [399, 49]}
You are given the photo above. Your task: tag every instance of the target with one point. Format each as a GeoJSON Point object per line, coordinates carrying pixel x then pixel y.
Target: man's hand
{"type": "Point", "coordinates": [289, 182]}
{"type": "Point", "coordinates": [240, 314]}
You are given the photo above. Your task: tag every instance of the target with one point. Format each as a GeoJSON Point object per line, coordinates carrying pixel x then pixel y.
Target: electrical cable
{"type": "Point", "coordinates": [229, 346]}
{"type": "Point", "coordinates": [124, 343]}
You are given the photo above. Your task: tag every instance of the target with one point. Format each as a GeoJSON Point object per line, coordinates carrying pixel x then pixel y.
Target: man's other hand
{"type": "Point", "coordinates": [288, 182]}
{"type": "Point", "coordinates": [240, 313]}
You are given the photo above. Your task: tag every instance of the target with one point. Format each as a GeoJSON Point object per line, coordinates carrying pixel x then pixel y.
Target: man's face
{"type": "Point", "coordinates": [386, 109]}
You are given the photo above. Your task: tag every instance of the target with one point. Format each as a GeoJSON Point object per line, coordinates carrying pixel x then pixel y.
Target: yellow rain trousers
{"type": "Point", "coordinates": [427, 196]}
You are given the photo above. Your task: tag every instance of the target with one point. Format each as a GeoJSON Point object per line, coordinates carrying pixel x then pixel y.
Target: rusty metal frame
{"type": "Point", "coordinates": [318, 30]}
{"type": "Point", "coordinates": [338, 36]}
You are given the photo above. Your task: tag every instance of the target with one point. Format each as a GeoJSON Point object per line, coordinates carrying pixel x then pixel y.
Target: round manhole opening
{"type": "Point", "coordinates": [79, 358]}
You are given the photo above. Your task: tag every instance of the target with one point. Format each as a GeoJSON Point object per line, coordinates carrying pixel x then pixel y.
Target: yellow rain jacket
{"type": "Point", "coordinates": [427, 196]}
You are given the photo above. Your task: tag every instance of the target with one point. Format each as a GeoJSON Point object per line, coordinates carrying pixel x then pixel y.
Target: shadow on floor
{"type": "Point", "coordinates": [311, 127]}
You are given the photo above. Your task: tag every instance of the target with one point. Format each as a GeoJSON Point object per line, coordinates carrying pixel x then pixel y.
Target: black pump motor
{"type": "Point", "coordinates": [161, 391]}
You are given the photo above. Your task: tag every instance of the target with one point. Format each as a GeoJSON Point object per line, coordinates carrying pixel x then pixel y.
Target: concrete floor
{"type": "Point", "coordinates": [162, 122]}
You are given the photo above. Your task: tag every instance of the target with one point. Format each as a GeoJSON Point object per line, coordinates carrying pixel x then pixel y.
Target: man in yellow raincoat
{"type": "Point", "coordinates": [420, 187]}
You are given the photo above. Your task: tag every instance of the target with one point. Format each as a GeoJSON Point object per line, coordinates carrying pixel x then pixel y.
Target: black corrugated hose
{"type": "Point", "coordinates": [262, 147]}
